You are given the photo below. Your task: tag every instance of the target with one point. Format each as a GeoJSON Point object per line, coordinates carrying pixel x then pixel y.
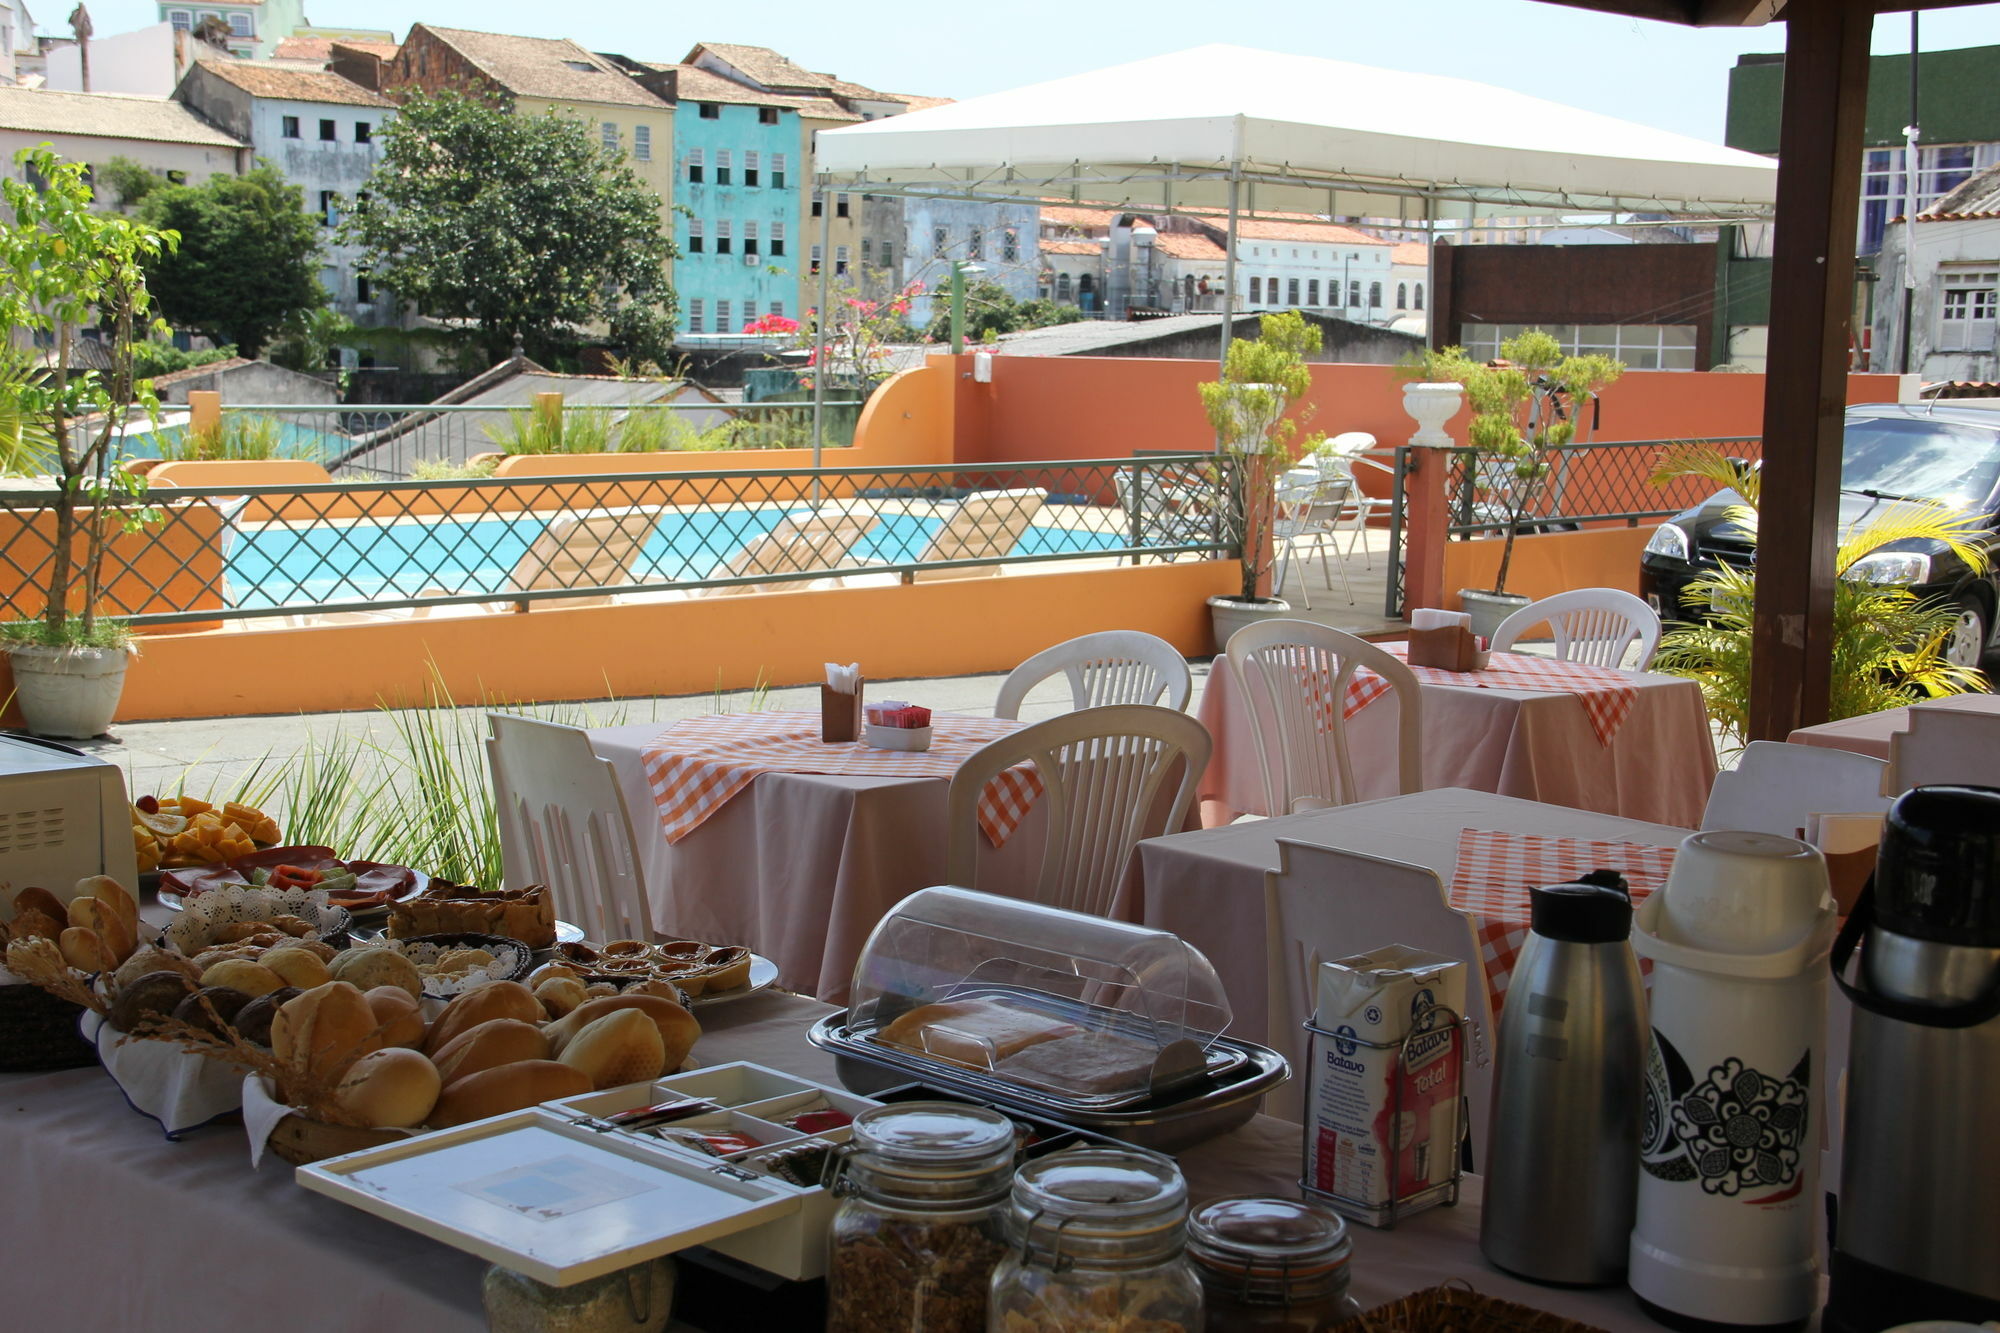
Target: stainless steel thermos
{"type": "Point", "coordinates": [1918, 1235]}
{"type": "Point", "coordinates": [1562, 1157]}
{"type": "Point", "coordinates": [1727, 1226]}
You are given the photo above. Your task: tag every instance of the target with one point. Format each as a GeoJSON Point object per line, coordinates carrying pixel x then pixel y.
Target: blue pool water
{"type": "Point", "coordinates": [362, 561]}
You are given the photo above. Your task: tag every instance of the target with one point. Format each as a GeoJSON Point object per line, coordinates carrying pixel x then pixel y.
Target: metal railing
{"type": "Point", "coordinates": [388, 442]}
{"type": "Point", "coordinates": [219, 553]}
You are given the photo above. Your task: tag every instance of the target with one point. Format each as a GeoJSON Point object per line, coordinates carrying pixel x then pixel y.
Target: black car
{"type": "Point", "coordinates": [1940, 452]}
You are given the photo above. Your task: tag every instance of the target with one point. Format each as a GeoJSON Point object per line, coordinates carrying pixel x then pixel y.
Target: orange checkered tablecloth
{"type": "Point", "coordinates": [697, 764]}
{"type": "Point", "coordinates": [1495, 871]}
{"type": "Point", "coordinates": [1606, 695]}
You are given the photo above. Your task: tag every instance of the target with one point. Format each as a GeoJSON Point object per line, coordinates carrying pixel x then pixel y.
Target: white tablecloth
{"type": "Point", "coordinates": [1536, 745]}
{"type": "Point", "coordinates": [1208, 886]}
{"type": "Point", "coordinates": [1869, 734]}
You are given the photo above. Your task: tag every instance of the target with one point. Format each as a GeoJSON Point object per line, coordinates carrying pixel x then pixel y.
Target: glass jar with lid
{"type": "Point", "coordinates": [1096, 1244]}
{"type": "Point", "coordinates": [1271, 1265]}
{"type": "Point", "coordinates": [917, 1233]}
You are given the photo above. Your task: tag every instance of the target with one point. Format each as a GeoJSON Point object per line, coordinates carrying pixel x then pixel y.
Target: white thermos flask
{"type": "Point", "coordinates": [1729, 1155]}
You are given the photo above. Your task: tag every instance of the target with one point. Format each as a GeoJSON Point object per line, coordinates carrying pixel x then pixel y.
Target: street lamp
{"type": "Point", "coordinates": [959, 268]}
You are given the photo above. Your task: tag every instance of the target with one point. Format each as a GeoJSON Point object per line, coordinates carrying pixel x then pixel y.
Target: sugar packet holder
{"type": "Point", "coordinates": [840, 703]}
{"type": "Point", "coordinates": [1447, 648]}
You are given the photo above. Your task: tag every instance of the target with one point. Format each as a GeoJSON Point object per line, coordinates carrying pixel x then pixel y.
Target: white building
{"type": "Point", "coordinates": [146, 62]}
{"type": "Point", "coordinates": [1409, 280]}
{"type": "Point", "coordinates": [1953, 251]}
{"type": "Point", "coordinates": [160, 135]}
{"type": "Point", "coordinates": [1306, 264]}
{"type": "Point", "coordinates": [255, 26]}
{"type": "Point", "coordinates": [1000, 239]}
{"type": "Point", "coordinates": [323, 132]}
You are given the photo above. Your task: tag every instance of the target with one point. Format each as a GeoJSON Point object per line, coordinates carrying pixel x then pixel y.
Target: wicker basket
{"type": "Point", "coordinates": [38, 1032]}
{"type": "Point", "coordinates": [302, 1142]}
{"type": "Point", "coordinates": [1457, 1308]}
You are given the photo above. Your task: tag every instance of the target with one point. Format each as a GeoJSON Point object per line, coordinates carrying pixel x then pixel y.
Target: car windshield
{"type": "Point", "coordinates": [1953, 464]}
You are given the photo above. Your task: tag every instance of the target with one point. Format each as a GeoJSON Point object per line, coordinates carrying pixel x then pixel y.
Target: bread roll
{"type": "Point", "coordinates": [482, 1004]}
{"type": "Point", "coordinates": [114, 895]}
{"type": "Point", "coordinates": [324, 1029]}
{"type": "Point", "coordinates": [498, 1041]}
{"type": "Point", "coordinates": [369, 968]}
{"type": "Point", "coordinates": [976, 1033]}
{"type": "Point", "coordinates": [118, 937]}
{"type": "Point", "coordinates": [390, 1089]}
{"type": "Point", "coordinates": [507, 1088]}
{"type": "Point", "coordinates": [41, 900]}
{"type": "Point", "coordinates": [152, 958]}
{"type": "Point", "coordinates": [88, 913]}
{"type": "Point", "coordinates": [241, 974]}
{"type": "Point", "coordinates": [85, 950]}
{"type": "Point", "coordinates": [399, 1017]}
{"type": "Point", "coordinates": [678, 1029]}
{"type": "Point", "coordinates": [559, 995]}
{"type": "Point", "coordinates": [297, 966]}
{"type": "Point", "coordinates": [254, 1022]}
{"type": "Point", "coordinates": [622, 1047]}
{"type": "Point", "coordinates": [155, 995]}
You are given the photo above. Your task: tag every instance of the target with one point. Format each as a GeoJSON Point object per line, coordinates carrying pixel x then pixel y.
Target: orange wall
{"type": "Point", "coordinates": [173, 565]}
{"type": "Point", "coordinates": [1548, 563]}
{"type": "Point", "coordinates": [916, 630]}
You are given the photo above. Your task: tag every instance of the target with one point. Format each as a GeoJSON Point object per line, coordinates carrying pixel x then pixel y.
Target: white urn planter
{"type": "Point", "coordinates": [1488, 609]}
{"type": "Point", "coordinates": [68, 692]}
{"type": "Point", "coordinates": [1431, 405]}
{"type": "Point", "coordinates": [1226, 615]}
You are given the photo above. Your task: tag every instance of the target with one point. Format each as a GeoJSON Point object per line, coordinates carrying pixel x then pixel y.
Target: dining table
{"type": "Point", "coordinates": [1629, 743]}
{"type": "Point", "coordinates": [114, 1227]}
{"type": "Point", "coordinates": [1870, 733]}
{"type": "Point", "coordinates": [1207, 886]}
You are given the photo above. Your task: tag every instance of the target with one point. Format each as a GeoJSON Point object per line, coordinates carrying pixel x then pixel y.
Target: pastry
{"type": "Point", "coordinates": [1089, 1064]}
{"type": "Point", "coordinates": [976, 1033]}
{"type": "Point", "coordinates": [527, 915]}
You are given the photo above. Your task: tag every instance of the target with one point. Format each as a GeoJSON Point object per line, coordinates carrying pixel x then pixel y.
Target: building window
{"type": "Point", "coordinates": [693, 163]}
{"type": "Point", "coordinates": [642, 142]}
{"type": "Point", "coordinates": [363, 293]}
{"type": "Point", "coordinates": [363, 132]}
{"type": "Point", "coordinates": [749, 238]}
{"type": "Point", "coordinates": [819, 204]}
{"type": "Point", "coordinates": [1010, 246]}
{"type": "Point", "coordinates": [710, 111]}
{"type": "Point", "coordinates": [608, 132]}
{"type": "Point", "coordinates": [1354, 293]}
{"type": "Point", "coordinates": [1062, 287]}
{"type": "Point", "coordinates": [888, 254]}
{"type": "Point", "coordinates": [867, 252]}
{"type": "Point", "coordinates": [329, 132]}
{"type": "Point", "coordinates": [1402, 296]}
{"type": "Point", "coordinates": [1941, 168]}
{"type": "Point", "coordinates": [1639, 346]}
{"type": "Point", "coordinates": [722, 317]}
{"type": "Point", "coordinates": [839, 261]}
{"type": "Point", "coordinates": [778, 307]}
{"type": "Point", "coordinates": [814, 268]}
{"type": "Point", "coordinates": [722, 239]}
{"type": "Point", "coordinates": [1374, 296]}
{"type": "Point", "coordinates": [1420, 298]}
{"type": "Point", "coordinates": [289, 127]}
{"type": "Point", "coordinates": [1312, 291]}
{"type": "Point", "coordinates": [940, 242]}
{"type": "Point", "coordinates": [767, 115]}
{"type": "Point", "coordinates": [777, 171]}
{"type": "Point", "coordinates": [695, 239]}
{"type": "Point", "coordinates": [722, 166]}
{"type": "Point", "coordinates": [750, 167]}
{"type": "Point", "coordinates": [1291, 291]}
{"type": "Point", "coordinates": [975, 245]}
{"type": "Point", "coordinates": [840, 205]}
{"type": "Point", "coordinates": [777, 238]}
{"type": "Point", "coordinates": [239, 26]}
{"type": "Point", "coordinates": [1968, 300]}
{"type": "Point", "coordinates": [697, 308]}
{"type": "Point", "coordinates": [181, 19]}
{"type": "Point", "coordinates": [1256, 291]}
{"type": "Point", "coordinates": [329, 208]}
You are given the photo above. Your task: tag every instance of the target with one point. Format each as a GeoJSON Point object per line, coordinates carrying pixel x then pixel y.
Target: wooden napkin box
{"type": "Point", "coordinates": [839, 714]}
{"type": "Point", "coordinates": [1452, 648]}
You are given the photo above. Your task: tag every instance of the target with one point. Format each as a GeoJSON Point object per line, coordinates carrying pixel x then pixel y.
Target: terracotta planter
{"type": "Point", "coordinates": [1229, 614]}
{"type": "Point", "coordinates": [68, 692]}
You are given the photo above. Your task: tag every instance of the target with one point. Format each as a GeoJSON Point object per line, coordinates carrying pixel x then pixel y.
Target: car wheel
{"type": "Point", "coordinates": [1967, 645]}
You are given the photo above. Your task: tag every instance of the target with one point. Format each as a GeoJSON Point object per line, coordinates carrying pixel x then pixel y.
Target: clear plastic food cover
{"type": "Point", "coordinates": [1073, 1006]}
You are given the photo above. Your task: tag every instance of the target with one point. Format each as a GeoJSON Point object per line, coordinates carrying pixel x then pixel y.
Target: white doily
{"type": "Point", "coordinates": [195, 926]}
{"type": "Point", "coordinates": [511, 960]}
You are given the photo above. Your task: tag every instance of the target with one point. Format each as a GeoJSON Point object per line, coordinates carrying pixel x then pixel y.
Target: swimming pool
{"type": "Point", "coordinates": [282, 565]}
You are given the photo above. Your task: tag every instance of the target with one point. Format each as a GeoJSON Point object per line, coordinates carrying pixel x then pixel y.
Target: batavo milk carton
{"type": "Point", "coordinates": [1382, 1119]}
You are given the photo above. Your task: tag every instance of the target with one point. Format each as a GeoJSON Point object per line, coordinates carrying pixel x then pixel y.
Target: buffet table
{"type": "Point", "coordinates": [111, 1227]}
{"type": "Point", "coordinates": [1538, 745]}
{"type": "Point", "coordinates": [1869, 734]}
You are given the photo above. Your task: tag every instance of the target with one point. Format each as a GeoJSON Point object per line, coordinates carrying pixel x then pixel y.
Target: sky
{"type": "Point", "coordinates": [1658, 74]}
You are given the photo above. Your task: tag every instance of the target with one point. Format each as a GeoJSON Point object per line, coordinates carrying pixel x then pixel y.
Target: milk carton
{"type": "Point", "coordinates": [1382, 1119]}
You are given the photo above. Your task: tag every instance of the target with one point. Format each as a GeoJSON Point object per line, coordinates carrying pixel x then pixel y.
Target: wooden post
{"type": "Point", "coordinates": [548, 410]}
{"type": "Point", "coordinates": [1805, 382]}
{"type": "Point", "coordinates": [204, 412]}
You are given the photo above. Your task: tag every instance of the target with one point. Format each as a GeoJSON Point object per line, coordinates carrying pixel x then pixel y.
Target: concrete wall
{"type": "Point", "coordinates": [140, 62]}
{"type": "Point", "coordinates": [921, 261]}
{"type": "Point", "coordinates": [259, 383]}
{"type": "Point", "coordinates": [1976, 244]}
{"type": "Point", "coordinates": [197, 161]}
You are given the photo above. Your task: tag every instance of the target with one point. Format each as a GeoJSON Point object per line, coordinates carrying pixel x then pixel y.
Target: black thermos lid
{"type": "Point", "coordinates": [1591, 913]}
{"type": "Point", "coordinates": [1937, 876]}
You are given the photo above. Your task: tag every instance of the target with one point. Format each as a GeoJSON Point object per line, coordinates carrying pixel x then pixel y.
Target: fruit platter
{"type": "Point", "coordinates": [169, 832]}
{"type": "Point", "coordinates": [362, 887]}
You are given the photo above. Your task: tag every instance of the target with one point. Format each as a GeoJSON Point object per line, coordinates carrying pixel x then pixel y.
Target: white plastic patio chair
{"type": "Point", "coordinates": [1113, 666]}
{"type": "Point", "coordinates": [1777, 785]}
{"type": "Point", "coordinates": [1944, 745]}
{"type": "Point", "coordinates": [1323, 904]}
{"type": "Point", "coordinates": [1293, 676]}
{"type": "Point", "coordinates": [1337, 459]}
{"type": "Point", "coordinates": [1307, 510]}
{"type": "Point", "coordinates": [1102, 772]}
{"type": "Point", "coordinates": [1595, 626]}
{"type": "Point", "coordinates": [564, 823]}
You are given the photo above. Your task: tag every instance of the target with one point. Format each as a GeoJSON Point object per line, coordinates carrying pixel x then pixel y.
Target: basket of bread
{"type": "Point", "coordinates": [54, 944]}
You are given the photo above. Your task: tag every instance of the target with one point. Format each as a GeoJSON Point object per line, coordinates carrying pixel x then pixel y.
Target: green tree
{"type": "Point", "coordinates": [525, 225]}
{"type": "Point", "coordinates": [248, 260]}
{"type": "Point", "coordinates": [991, 311]}
{"type": "Point", "coordinates": [126, 181]}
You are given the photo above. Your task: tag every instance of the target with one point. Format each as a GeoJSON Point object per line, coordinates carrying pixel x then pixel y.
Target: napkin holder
{"type": "Point", "coordinates": [1449, 648]}
{"type": "Point", "coordinates": [839, 714]}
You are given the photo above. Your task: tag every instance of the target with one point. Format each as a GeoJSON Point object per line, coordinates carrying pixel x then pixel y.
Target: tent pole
{"type": "Point", "coordinates": [820, 367]}
{"type": "Point", "coordinates": [1229, 268]}
{"type": "Point", "coordinates": [1430, 272]}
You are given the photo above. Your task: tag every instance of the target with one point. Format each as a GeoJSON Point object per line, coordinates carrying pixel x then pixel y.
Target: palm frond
{"type": "Point", "coordinates": [1918, 521]}
{"type": "Point", "coordinates": [1705, 462]}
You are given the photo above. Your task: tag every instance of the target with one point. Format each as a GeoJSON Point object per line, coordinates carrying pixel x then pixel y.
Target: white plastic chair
{"type": "Point", "coordinates": [1322, 904]}
{"type": "Point", "coordinates": [1337, 460]}
{"type": "Point", "coordinates": [1944, 745]}
{"type": "Point", "coordinates": [564, 823]}
{"type": "Point", "coordinates": [1595, 626]}
{"type": "Point", "coordinates": [1102, 771]}
{"type": "Point", "coordinates": [1113, 666]}
{"type": "Point", "coordinates": [1777, 785]}
{"type": "Point", "coordinates": [1293, 676]}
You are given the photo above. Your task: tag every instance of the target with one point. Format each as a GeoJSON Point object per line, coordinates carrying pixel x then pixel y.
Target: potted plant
{"type": "Point", "coordinates": [64, 267]}
{"type": "Point", "coordinates": [1526, 408]}
{"type": "Point", "coordinates": [1262, 378]}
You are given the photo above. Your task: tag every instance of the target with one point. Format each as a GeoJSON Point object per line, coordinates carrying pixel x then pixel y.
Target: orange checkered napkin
{"type": "Point", "coordinates": [1496, 870]}
{"type": "Point", "coordinates": [1607, 696]}
{"type": "Point", "coordinates": [697, 764]}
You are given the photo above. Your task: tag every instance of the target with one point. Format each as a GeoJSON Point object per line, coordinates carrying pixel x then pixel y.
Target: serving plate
{"type": "Point", "coordinates": [763, 974]}
{"type": "Point", "coordinates": [175, 885]}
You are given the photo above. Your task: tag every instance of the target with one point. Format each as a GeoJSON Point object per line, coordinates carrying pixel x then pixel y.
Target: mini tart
{"type": "Point", "coordinates": [727, 968]}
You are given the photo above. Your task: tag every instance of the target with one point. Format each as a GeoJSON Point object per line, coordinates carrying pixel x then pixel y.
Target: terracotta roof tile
{"type": "Point", "coordinates": [916, 103]}
{"type": "Point", "coordinates": [1319, 233]}
{"type": "Point", "coordinates": [1071, 248]}
{"type": "Point", "coordinates": [198, 372]}
{"type": "Point", "coordinates": [692, 83]}
{"type": "Point", "coordinates": [554, 69]}
{"type": "Point", "coordinates": [108, 116]}
{"type": "Point", "coordinates": [293, 83]}
{"type": "Point", "coordinates": [1978, 196]}
{"type": "Point", "coordinates": [1409, 252]}
{"type": "Point", "coordinates": [380, 50]}
{"type": "Point", "coordinates": [1183, 245]}
{"type": "Point", "coordinates": [304, 48]}
{"type": "Point", "coordinates": [767, 67]}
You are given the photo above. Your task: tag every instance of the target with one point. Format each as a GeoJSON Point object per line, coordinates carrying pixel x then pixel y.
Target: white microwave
{"type": "Point", "coordinates": [63, 817]}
